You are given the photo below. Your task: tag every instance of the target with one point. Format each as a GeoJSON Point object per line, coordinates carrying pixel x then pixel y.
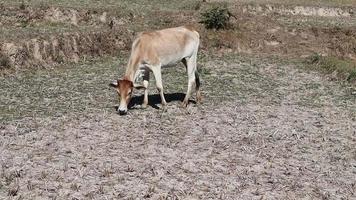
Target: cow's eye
{"type": "Point", "coordinates": [130, 93]}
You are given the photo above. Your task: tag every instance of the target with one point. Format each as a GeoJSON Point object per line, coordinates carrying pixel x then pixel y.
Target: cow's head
{"type": "Point", "coordinates": [124, 90]}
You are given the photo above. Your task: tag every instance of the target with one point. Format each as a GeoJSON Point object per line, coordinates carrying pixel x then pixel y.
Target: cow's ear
{"type": "Point", "coordinates": [114, 83]}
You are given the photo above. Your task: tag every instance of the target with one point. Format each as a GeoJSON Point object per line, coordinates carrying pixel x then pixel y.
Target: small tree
{"type": "Point", "coordinates": [216, 18]}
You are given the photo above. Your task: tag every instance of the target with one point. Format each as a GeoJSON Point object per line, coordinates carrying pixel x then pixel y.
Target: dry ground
{"type": "Point", "coordinates": [266, 130]}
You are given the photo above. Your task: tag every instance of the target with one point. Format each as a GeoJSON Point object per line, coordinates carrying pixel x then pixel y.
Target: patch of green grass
{"type": "Point", "coordinates": [239, 78]}
{"type": "Point", "coordinates": [172, 4]}
{"type": "Point", "coordinates": [60, 91]}
{"type": "Point", "coordinates": [81, 89]}
{"type": "Point", "coordinates": [300, 2]}
{"type": "Point", "coordinates": [342, 68]}
{"type": "Point", "coordinates": [315, 22]}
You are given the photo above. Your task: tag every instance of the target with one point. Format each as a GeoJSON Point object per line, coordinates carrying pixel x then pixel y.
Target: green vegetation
{"type": "Point", "coordinates": [216, 18]}
{"type": "Point", "coordinates": [342, 68]}
{"type": "Point", "coordinates": [83, 88]}
{"type": "Point", "coordinates": [166, 4]}
{"type": "Point", "coordinates": [4, 62]}
{"type": "Point", "coordinates": [58, 91]}
{"type": "Point", "coordinates": [300, 2]}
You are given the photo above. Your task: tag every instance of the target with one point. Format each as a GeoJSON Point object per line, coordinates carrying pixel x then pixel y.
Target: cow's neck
{"type": "Point", "coordinates": [130, 75]}
{"type": "Point", "coordinates": [131, 69]}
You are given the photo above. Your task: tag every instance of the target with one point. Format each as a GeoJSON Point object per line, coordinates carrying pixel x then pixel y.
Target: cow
{"type": "Point", "coordinates": [149, 53]}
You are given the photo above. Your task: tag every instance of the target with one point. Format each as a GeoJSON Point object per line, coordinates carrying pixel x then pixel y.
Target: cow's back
{"type": "Point", "coordinates": [166, 46]}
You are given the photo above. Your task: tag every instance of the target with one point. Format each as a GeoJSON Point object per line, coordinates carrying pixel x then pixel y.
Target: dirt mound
{"type": "Point", "coordinates": [51, 35]}
{"type": "Point", "coordinates": [268, 35]}
{"type": "Point", "coordinates": [27, 16]}
{"type": "Point", "coordinates": [266, 9]}
{"type": "Point", "coordinates": [65, 47]}
{"type": "Point", "coordinates": [256, 29]}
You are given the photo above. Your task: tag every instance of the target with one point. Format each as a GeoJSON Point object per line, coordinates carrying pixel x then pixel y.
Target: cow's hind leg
{"type": "Point", "coordinates": [191, 70]}
{"type": "Point", "coordinates": [157, 73]}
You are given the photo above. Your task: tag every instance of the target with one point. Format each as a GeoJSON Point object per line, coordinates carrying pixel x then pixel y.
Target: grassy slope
{"type": "Point", "coordinates": [149, 4]}
{"type": "Point", "coordinates": [297, 2]}
{"type": "Point", "coordinates": [59, 91]}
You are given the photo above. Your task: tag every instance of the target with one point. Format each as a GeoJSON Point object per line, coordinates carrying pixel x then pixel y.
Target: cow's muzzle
{"type": "Point", "coordinates": [122, 112]}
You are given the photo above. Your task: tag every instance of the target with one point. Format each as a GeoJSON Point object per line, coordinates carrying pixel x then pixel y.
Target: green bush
{"type": "Point", "coordinates": [4, 62]}
{"type": "Point", "coordinates": [352, 76]}
{"type": "Point", "coordinates": [216, 18]}
{"type": "Point", "coordinates": [314, 59]}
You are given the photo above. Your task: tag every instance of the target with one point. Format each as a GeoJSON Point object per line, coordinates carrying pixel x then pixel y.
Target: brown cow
{"type": "Point", "coordinates": [152, 50]}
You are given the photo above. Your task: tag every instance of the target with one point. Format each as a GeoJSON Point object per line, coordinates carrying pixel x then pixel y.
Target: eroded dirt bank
{"type": "Point", "coordinates": [74, 34]}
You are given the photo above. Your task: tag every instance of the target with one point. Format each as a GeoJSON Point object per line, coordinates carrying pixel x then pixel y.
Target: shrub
{"type": "Point", "coordinates": [216, 18]}
{"type": "Point", "coordinates": [315, 58]}
{"type": "Point", "coordinates": [4, 62]}
{"type": "Point", "coordinates": [352, 76]}
{"type": "Point", "coordinates": [22, 6]}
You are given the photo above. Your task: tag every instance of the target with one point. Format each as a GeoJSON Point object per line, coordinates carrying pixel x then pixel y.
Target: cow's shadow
{"type": "Point", "coordinates": [155, 99]}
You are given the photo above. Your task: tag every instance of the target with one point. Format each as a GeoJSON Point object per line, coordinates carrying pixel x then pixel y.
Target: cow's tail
{"type": "Point", "coordinates": [197, 80]}
{"type": "Point", "coordinates": [197, 86]}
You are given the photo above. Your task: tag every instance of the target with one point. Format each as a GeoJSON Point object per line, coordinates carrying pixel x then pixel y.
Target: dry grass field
{"type": "Point", "coordinates": [277, 119]}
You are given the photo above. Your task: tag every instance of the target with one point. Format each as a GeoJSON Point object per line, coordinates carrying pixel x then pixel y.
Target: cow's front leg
{"type": "Point", "coordinates": [145, 97]}
{"type": "Point", "coordinates": [157, 73]}
{"type": "Point", "coordinates": [146, 79]}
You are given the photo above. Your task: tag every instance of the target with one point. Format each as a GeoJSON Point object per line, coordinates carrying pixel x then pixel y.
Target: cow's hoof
{"type": "Point", "coordinates": [199, 97]}
{"type": "Point", "coordinates": [164, 109]}
{"type": "Point", "coordinates": [164, 106]}
{"type": "Point", "coordinates": [184, 104]}
{"type": "Point", "coordinates": [144, 106]}
{"type": "Point", "coordinates": [199, 100]}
